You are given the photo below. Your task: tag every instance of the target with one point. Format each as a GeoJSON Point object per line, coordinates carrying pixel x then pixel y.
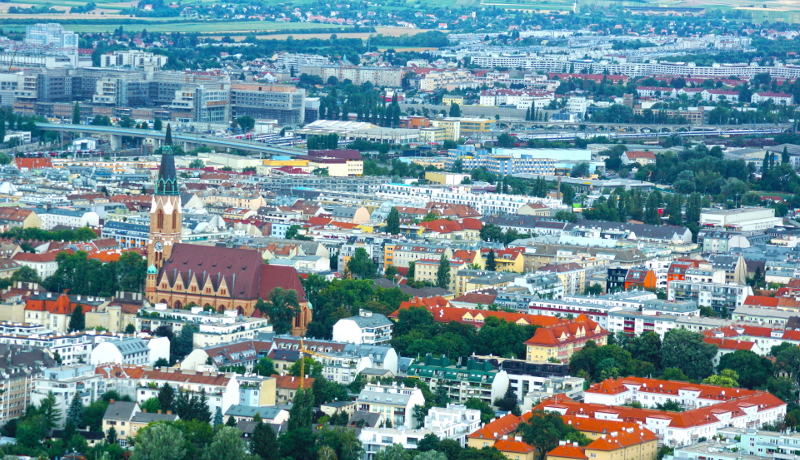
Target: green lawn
{"type": "Point", "coordinates": [159, 25]}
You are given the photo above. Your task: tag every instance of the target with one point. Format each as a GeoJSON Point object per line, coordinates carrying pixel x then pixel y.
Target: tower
{"type": "Point", "coordinates": [165, 216]}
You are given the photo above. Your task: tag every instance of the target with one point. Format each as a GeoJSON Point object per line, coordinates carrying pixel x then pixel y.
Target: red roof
{"type": "Point", "coordinates": [580, 330]}
{"type": "Point", "coordinates": [512, 445]}
{"type": "Point", "coordinates": [567, 451]}
{"type": "Point", "coordinates": [640, 154]}
{"type": "Point", "coordinates": [33, 163]}
{"type": "Point", "coordinates": [445, 314]}
{"type": "Point", "coordinates": [761, 301]}
{"type": "Point", "coordinates": [498, 428]}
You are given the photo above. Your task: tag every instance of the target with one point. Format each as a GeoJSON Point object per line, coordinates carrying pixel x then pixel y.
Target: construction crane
{"type": "Point", "coordinates": [303, 352]}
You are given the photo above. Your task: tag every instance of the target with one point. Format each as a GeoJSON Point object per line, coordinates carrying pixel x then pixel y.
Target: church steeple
{"type": "Point", "coordinates": [167, 182]}
{"type": "Point", "coordinates": [165, 217]}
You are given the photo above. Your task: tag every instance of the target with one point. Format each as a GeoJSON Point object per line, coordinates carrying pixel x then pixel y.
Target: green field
{"type": "Point", "coordinates": [164, 25]}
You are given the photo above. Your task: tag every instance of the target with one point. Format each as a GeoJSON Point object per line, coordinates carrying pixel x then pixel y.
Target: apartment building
{"type": "Point", "coordinates": [558, 343]}
{"type": "Point", "coordinates": [282, 103]}
{"type": "Point", "coordinates": [367, 328]}
{"type": "Point", "coordinates": [19, 370]}
{"type": "Point", "coordinates": [400, 254]}
{"type": "Point", "coordinates": [379, 76]}
{"type": "Point", "coordinates": [708, 288]}
{"type": "Point", "coordinates": [65, 381]}
{"type": "Point", "coordinates": [394, 403]}
{"type": "Point", "coordinates": [475, 379]}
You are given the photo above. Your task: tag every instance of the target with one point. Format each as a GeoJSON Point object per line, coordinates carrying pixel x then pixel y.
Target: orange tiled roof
{"type": "Point", "coordinates": [291, 382]}
{"type": "Point", "coordinates": [567, 451]}
{"type": "Point", "coordinates": [445, 314]}
{"type": "Point", "coordinates": [581, 329]}
{"type": "Point", "coordinates": [498, 428]}
{"type": "Point", "coordinates": [622, 439]}
{"type": "Point", "coordinates": [512, 445]}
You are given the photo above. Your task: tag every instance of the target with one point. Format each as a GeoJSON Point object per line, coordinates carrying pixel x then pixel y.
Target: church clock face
{"type": "Point", "coordinates": [159, 246]}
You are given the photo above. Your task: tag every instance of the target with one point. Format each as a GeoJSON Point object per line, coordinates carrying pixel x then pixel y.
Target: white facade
{"type": "Point", "coordinates": [55, 217]}
{"type": "Point", "coordinates": [741, 219]}
{"type": "Point", "coordinates": [365, 329]}
{"type": "Point", "coordinates": [64, 382]}
{"type": "Point", "coordinates": [394, 403]}
{"type": "Point", "coordinates": [133, 351]}
{"type": "Point", "coordinates": [453, 422]}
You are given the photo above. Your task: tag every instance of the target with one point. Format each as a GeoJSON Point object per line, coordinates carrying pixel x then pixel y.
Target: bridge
{"type": "Point", "coordinates": [598, 127]}
{"type": "Point", "coordinates": [116, 134]}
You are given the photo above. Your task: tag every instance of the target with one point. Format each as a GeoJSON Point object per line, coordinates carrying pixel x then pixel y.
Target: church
{"type": "Point", "coordinates": [223, 278]}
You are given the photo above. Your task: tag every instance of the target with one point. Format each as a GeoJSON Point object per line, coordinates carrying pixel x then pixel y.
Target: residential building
{"type": "Point", "coordinates": [571, 275]}
{"type": "Point", "coordinates": [643, 158]}
{"type": "Point", "coordinates": [630, 444]}
{"type": "Point", "coordinates": [131, 350]}
{"type": "Point", "coordinates": [558, 343]}
{"type": "Point", "coordinates": [143, 382]}
{"type": "Point", "coordinates": [118, 415]}
{"type": "Point", "coordinates": [64, 382]}
{"type": "Point", "coordinates": [286, 387]}
{"type": "Point", "coordinates": [476, 379]}
{"type": "Point", "coordinates": [21, 367]}
{"type": "Point", "coordinates": [709, 289]}
{"type": "Point", "coordinates": [212, 328]}
{"type": "Point", "coordinates": [282, 103]}
{"type": "Point", "coordinates": [394, 403]}
{"type": "Point", "coordinates": [367, 328]}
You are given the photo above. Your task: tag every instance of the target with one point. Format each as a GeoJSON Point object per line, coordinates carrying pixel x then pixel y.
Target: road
{"type": "Point", "coordinates": [177, 137]}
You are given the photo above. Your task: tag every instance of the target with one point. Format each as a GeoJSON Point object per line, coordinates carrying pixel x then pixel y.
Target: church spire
{"type": "Point", "coordinates": [167, 182]}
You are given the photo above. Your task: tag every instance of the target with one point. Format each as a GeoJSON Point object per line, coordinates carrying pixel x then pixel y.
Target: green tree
{"type": "Point", "coordinates": [361, 265]}
{"type": "Point", "coordinates": [455, 110]}
{"type": "Point", "coordinates": [217, 417]}
{"type": "Point", "coordinates": [75, 410]}
{"type": "Point", "coordinates": [544, 430]}
{"type": "Point", "coordinates": [131, 329]}
{"type": "Point", "coordinates": [246, 122]}
{"type": "Point", "coordinates": [26, 274]}
{"type": "Point", "coordinates": [443, 273]}
{"type": "Point", "coordinates": [651, 214]}
{"type": "Point", "coordinates": [77, 320]}
{"type": "Point", "coordinates": [264, 367]}
{"type": "Point", "coordinates": [393, 222]}
{"type": "Point", "coordinates": [231, 421]}
{"type": "Point", "coordinates": [197, 164]}
{"type": "Point", "coordinates": [725, 378]}
{"type": "Point", "coordinates": [390, 272]}
{"type": "Point", "coordinates": [264, 442]}
{"type": "Point", "coordinates": [302, 411]}
{"type": "Point", "coordinates": [688, 352]}
{"type": "Point", "coordinates": [111, 436]}
{"type": "Point", "coordinates": [752, 370]}
{"type": "Point", "coordinates": [491, 264]}
{"type": "Point", "coordinates": [393, 452]}
{"type": "Point", "coordinates": [281, 308]}
{"type": "Point", "coordinates": [159, 441]}
{"type": "Point", "coordinates": [567, 216]}
{"type": "Point", "coordinates": [76, 114]}
{"type": "Point", "coordinates": [487, 414]}
{"type": "Point", "coordinates": [151, 405]}
{"type": "Point", "coordinates": [785, 155]}
{"type": "Point", "coordinates": [158, 125]}
{"type": "Point", "coordinates": [166, 397]}
{"type": "Point", "coordinates": [509, 402]}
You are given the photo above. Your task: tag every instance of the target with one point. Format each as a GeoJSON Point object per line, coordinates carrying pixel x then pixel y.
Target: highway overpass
{"type": "Point", "coordinates": [115, 135]}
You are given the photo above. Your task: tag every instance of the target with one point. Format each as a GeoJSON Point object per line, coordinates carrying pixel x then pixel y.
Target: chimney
{"type": "Point", "coordinates": [169, 412]}
{"type": "Point", "coordinates": [111, 401]}
{"type": "Point", "coordinates": [144, 410]}
{"type": "Point", "coordinates": [159, 411]}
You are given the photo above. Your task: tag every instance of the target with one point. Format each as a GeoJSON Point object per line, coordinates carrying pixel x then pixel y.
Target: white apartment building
{"type": "Point", "coordinates": [132, 351]}
{"type": "Point", "coordinates": [142, 383]}
{"type": "Point", "coordinates": [68, 218]}
{"type": "Point", "coordinates": [394, 403]}
{"type": "Point", "coordinates": [367, 328]}
{"type": "Point", "coordinates": [452, 422]}
{"type": "Point", "coordinates": [65, 381]}
{"type": "Point", "coordinates": [708, 289]}
{"type": "Point", "coordinates": [213, 328]}
{"type": "Point", "coordinates": [484, 203]}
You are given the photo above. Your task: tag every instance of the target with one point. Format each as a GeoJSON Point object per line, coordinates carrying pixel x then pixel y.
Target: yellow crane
{"type": "Point", "coordinates": [303, 352]}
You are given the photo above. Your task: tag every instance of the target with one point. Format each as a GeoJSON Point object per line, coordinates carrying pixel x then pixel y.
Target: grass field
{"type": "Point", "coordinates": [389, 31]}
{"type": "Point", "coordinates": [162, 25]}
